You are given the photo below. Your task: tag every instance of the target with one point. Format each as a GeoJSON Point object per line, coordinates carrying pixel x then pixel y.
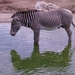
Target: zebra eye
{"type": "Point", "coordinates": [17, 19]}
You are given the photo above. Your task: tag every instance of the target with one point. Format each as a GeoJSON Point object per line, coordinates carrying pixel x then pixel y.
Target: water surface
{"type": "Point", "coordinates": [53, 56]}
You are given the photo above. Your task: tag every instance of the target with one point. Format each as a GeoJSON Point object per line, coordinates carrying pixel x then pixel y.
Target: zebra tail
{"type": "Point", "coordinates": [73, 24]}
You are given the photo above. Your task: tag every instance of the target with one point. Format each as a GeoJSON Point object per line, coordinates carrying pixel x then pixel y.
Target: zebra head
{"type": "Point", "coordinates": [15, 25]}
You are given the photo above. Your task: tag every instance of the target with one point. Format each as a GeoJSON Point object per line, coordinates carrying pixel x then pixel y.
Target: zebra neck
{"type": "Point", "coordinates": [26, 24]}
{"type": "Point", "coordinates": [28, 18]}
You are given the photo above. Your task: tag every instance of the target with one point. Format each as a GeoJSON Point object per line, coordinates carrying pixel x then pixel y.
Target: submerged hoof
{"type": "Point", "coordinates": [36, 44]}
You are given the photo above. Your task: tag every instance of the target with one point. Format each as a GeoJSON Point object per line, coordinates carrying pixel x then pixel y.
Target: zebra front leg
{"type": "Point", "coordinates": [36, 37]}
{"type": "Point", "coordinates": [69, 34]}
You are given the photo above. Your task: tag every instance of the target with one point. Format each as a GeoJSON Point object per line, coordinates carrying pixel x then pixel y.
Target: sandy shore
{"type": "Point", "coordinates": [6, 17]}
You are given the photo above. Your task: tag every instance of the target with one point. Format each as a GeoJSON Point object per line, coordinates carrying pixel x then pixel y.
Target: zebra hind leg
{"type": "Point", "coordinates": [69, 34]}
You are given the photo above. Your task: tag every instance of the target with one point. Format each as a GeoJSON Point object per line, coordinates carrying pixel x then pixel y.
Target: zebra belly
{"type": "Point", "coordinates": [49, 28]}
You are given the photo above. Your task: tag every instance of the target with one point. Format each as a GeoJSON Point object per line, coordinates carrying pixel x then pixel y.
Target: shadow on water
{"type": "Point", "coordinates": [39, 61]}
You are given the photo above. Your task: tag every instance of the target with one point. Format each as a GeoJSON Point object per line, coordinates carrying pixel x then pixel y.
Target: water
{"type": "Point", "coordinates": [18, 56]}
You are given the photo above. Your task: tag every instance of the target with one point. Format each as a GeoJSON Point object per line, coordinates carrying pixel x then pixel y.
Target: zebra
{"type": "Point", "coordinates": [38, 20]}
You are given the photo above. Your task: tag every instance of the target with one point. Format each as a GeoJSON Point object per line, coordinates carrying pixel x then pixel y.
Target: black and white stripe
{"type": "Point", "coordinates": [26, 17]}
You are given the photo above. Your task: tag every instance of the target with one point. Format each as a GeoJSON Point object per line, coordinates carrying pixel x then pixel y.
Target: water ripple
{"type": "Point", "coordinates": [18, 55]}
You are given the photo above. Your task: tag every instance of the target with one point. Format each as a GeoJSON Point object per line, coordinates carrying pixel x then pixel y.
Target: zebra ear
{"type": "Point", "coordinates": [13, 15]}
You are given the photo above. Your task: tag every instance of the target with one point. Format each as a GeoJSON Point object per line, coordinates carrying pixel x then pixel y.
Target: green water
{"type": "Point", "coordinates": [53, 56]}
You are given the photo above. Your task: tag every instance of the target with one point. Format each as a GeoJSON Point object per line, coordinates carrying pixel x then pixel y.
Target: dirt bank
{"type": "Point", "coordinates": [8, 7]}
{"type": "Point", "coordinates": [17, 5]}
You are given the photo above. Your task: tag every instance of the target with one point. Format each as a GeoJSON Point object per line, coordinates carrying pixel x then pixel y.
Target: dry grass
{"type": "Point", "coordinates": [17, 5]}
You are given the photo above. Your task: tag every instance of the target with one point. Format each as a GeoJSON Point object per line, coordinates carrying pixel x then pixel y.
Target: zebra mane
{"type": "Point", "coordinates": [22, 12]}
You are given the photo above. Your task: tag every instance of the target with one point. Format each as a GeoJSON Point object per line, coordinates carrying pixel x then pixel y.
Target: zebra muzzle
{"type": "Point", "coordinates": [12, 33]}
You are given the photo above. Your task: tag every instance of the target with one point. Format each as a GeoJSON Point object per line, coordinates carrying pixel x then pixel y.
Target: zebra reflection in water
{"type": "Point", "coordinates": [39, 60]}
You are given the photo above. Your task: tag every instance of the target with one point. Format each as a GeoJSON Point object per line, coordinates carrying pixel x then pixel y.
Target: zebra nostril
{"type": "Point", "coordinates": [13, 34]}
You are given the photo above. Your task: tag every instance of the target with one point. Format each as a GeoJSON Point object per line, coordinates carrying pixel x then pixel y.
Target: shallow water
{"type": "Point", "coordinates": [18, 56]}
